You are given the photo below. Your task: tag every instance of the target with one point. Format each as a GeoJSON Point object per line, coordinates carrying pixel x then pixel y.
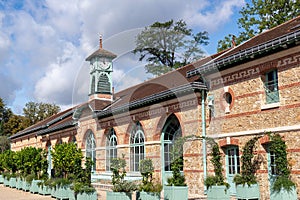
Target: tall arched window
{"type": "Point", "coordinates": [103, 84]}
{"type": "Point", "coordinates": [171, 131]}
{"type": "Point", "coordinates": [90, 146]}
{"type": "Point", "coordinates": [137, 151]}
{"type": "Point", "coordinates": [111, 147]}
{"type": "Point", "coordinates": [49, 159]}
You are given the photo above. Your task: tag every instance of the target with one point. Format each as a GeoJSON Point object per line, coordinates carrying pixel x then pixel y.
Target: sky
{"type": "Point", "coordinates": [44, 43]}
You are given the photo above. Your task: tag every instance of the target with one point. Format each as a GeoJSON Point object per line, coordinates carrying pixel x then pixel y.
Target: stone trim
{"type": "Point", "coordinates": [257, 132]}
{"type": "Point", "coordinates": [228, 141]}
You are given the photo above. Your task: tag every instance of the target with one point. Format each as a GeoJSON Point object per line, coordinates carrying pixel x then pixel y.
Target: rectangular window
{"type": "Point", "coordinates": [271, 87]}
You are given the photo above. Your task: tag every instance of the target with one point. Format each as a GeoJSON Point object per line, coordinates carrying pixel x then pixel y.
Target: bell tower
{"type": "Point", "coordinates": [101, 68]}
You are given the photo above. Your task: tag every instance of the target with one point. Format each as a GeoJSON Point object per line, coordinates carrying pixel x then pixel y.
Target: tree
{"type": "Point", "coordinates": [169, 45]}
{"type": "Point", "coordinates": [36, 112]}
{"type": "Point", "coordinates": [5, 114]}
{"type": "Point", "coordinates": [261, 15]}
{"type": "Point", "coordinates": [15, 124]}
{"type": "Point", "coordinates": [4, 143]}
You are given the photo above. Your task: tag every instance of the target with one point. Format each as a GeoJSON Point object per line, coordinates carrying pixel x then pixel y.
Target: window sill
{"type": "Point", "coordinates": [130, 176]}
{"type": "Point", "coordinates": [270, 106]}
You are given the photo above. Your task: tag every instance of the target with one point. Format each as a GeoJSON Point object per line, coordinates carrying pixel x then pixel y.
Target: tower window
{"type": "Point", "coordinates": [103, 84]}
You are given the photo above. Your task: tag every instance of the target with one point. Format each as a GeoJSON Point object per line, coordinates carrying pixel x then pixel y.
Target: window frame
{"type": "Point", "coordinates": [137, 146]}
{"type": "Point", "coordinates": [111, 148]}
{"type": "Point", "coordinates": [90, 148]}
{"type": "Point", "coordinates": [271, 86]}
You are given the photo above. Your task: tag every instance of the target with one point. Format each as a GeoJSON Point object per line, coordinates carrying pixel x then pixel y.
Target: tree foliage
{"type": "Point", "coordinates": [66, 160]}
{"type": "Point", "coordinates": [36, 112]}
{"type": "Point", "coordinates": [4, 143]}
{"type": "Point", "coordinates": [5, 114]}
{"type": "Point", "coordinates": [261, 15]}
{"type": "Point", "coordinates": [169, 45]}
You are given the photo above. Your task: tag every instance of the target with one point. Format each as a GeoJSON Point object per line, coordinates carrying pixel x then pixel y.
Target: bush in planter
{"type": "Point", "coordinates": [121, 188]}
{"type": "Point", "coordinates": [247, 176]}
{"type": "Point", "coordinates": [176, 187]}
{"type": "Point", "coordinates": [283, 187]}
{"type": "Point", "coordinates": [148, 189]}
{"type": "Point", "coordinates": [216, 185]}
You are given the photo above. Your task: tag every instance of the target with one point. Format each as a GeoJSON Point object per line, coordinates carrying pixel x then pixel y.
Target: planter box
{"type": "Point", "coordinates": [245, 192]}
{"type": "Point", "coordinates": [44, 190]}
{"type": "Point", "coordinates": [26, 186]}
{"type": "Point", "coordinates": [118, 196]}
{"type": "Point", "coordinates": [283, 194]}
{"type": "Point", "coordinates": [218, 193]}
{"type": "Point", "coordinates": [62, 192]}
{"type": "Point", "coordinates": [71, 194]}
{"type": "Point", "coordinates": [12, 182]}
{"type": "Point", "coordinates": [1, 178]}
{"type": "Point", "coordinates": [175, 192]}
{"type": "Point", "coordinates": [87, 196]}
{"type": "Point", "coordinates": [34, 188]}
{"type": "Point", "coordinates": [147, 196]}
{"type": "Point", "coordinates": [6, 182]}
{"type": "Point", "coordinates": [19, 184]}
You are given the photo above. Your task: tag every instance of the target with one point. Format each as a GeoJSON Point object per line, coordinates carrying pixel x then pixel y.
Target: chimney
{"type": "Point", "coordinates": [100, 41]}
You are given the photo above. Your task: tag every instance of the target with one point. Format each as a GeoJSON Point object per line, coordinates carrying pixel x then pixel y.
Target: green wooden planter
{"type": "Point", "coordinates": [118, 196]}
{"type": "Point", "coordinates": [62, 192]}
{"type": "Point", "coordinates": [71, 194]}
{"type": "Point", "coordinates": [19, 184]}
{"type": "Point", "coordinates": [26, 186]}
{"type": "Point", "coordinates": [218, 193]}
{"type": "Point", "coordinates": [44, 190]}
{"type": "Point", "coordinates": [245, 192]}
{"type": "Point", "coordinates": [87, 196]}
{"type": "Point", "coordinates": [175, 192]}
{"type": "Point", "coordinates": [283, 194]}
{"type": "Point", "coordinates": [1, 178]}
{"type": "Point", "coordinates": [148, 196]}
{"type": "Point", "coordinates": [34, 188]}
{"type": "Point", "coordinates": [12, 182]}
{"type": "Point", "coordinates": [6, 182]}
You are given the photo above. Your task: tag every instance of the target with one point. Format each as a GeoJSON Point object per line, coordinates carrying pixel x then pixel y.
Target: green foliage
{"type": "Point", "coordinates": [79, 187]}
{"type": "Point", "coordinates": [4, 144]}
{"type": "Point", "coordinates": [29, 178]}
{"type": "Point", "coordinates": [67, 160]}
{"type": "Point", "coordinates": [261, 15]}
{"type": "Point", "coordinates": [9, 161]}
{"type": "Point", "coordinates": [118, 176]}
{"type": "Point", "coordinates": [147, 170]}
{"type": "Point", "coordinates": [36, 112]}
{"type": "Point", "coordinates": [248, 164]}
{"type": "Point", "coordinates": [282, 171]}
{"type": "Point", "coordinates": [169, 45]}
{"type": "Point", "coordinates": [15, 124]}
{"type": "Point", "coordinates": [218, 178]}
{"type": "Point", "coordinates": [31, 160]}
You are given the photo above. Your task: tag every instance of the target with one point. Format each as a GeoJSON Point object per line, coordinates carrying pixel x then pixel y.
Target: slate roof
{"type": "Point", "coordinates": [271, 41]}
{"type": "Point", "coordinates": [102, 53]}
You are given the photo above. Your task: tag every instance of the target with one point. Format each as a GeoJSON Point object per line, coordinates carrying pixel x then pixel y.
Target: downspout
{"type": "Point", "coordinates": [203, 135]}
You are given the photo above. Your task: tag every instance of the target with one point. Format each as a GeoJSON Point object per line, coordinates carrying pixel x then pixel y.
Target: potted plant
{"type": "Point", "coordinates": [176, 189]}
{"type": "Point", "coordinates": [217, 188]}
{"type": "Point", "coordinates": [283, 187]}
{"type": "Point", "coordinates": [122, 189]}
{"type": "Point", "coordinates": [1, 168]}
{"type": "Point", "coordinates": [83, 189]}
{"type": "Point", "coordinates": [246, 183]}
{"type": "Point", "coordinates": [147, 189]}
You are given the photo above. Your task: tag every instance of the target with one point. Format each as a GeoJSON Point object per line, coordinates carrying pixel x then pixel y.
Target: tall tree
{"type": "Point", "coordinates": [36, 112]}
{"type": "Point", "coordinates": [169, 45]}
{"type": "Point", "coordinates": [4, 143]}
{"type": "Point", "coordinates": [15, 124]}
{"type": "Point", "coordinates": [5, 114]}
{"type": "Point", "coordinates": [260, 15]}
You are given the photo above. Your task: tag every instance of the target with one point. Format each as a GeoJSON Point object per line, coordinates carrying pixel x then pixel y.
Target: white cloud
{"type": "Point", "coordinates": [43, 44]}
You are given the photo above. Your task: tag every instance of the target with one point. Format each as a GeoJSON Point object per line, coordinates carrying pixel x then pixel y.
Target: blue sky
{"type": "Point", "coordinates": [44, 43]}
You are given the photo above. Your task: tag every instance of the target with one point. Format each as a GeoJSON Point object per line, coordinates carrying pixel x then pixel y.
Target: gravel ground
{"type": "Point", "coordinates": [7, 193]}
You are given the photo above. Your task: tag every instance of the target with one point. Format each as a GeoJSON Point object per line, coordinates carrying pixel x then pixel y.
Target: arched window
{"type": "Point", "coordinates": [103, 84]}
{"type": "Point", "coordinates": [137, 151]}
{"type": "Point", "coordinates": [90, 146]}
{"type": "Point", "coordinates": [171, 131]}
{"type": "Point", "coordinates": [49, 159]}
{"type": "Point", "coordinates": [111, 147]}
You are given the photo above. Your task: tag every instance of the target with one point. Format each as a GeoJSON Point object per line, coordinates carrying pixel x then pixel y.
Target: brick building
{"type": "Point", "coordinates": [231, 96]}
